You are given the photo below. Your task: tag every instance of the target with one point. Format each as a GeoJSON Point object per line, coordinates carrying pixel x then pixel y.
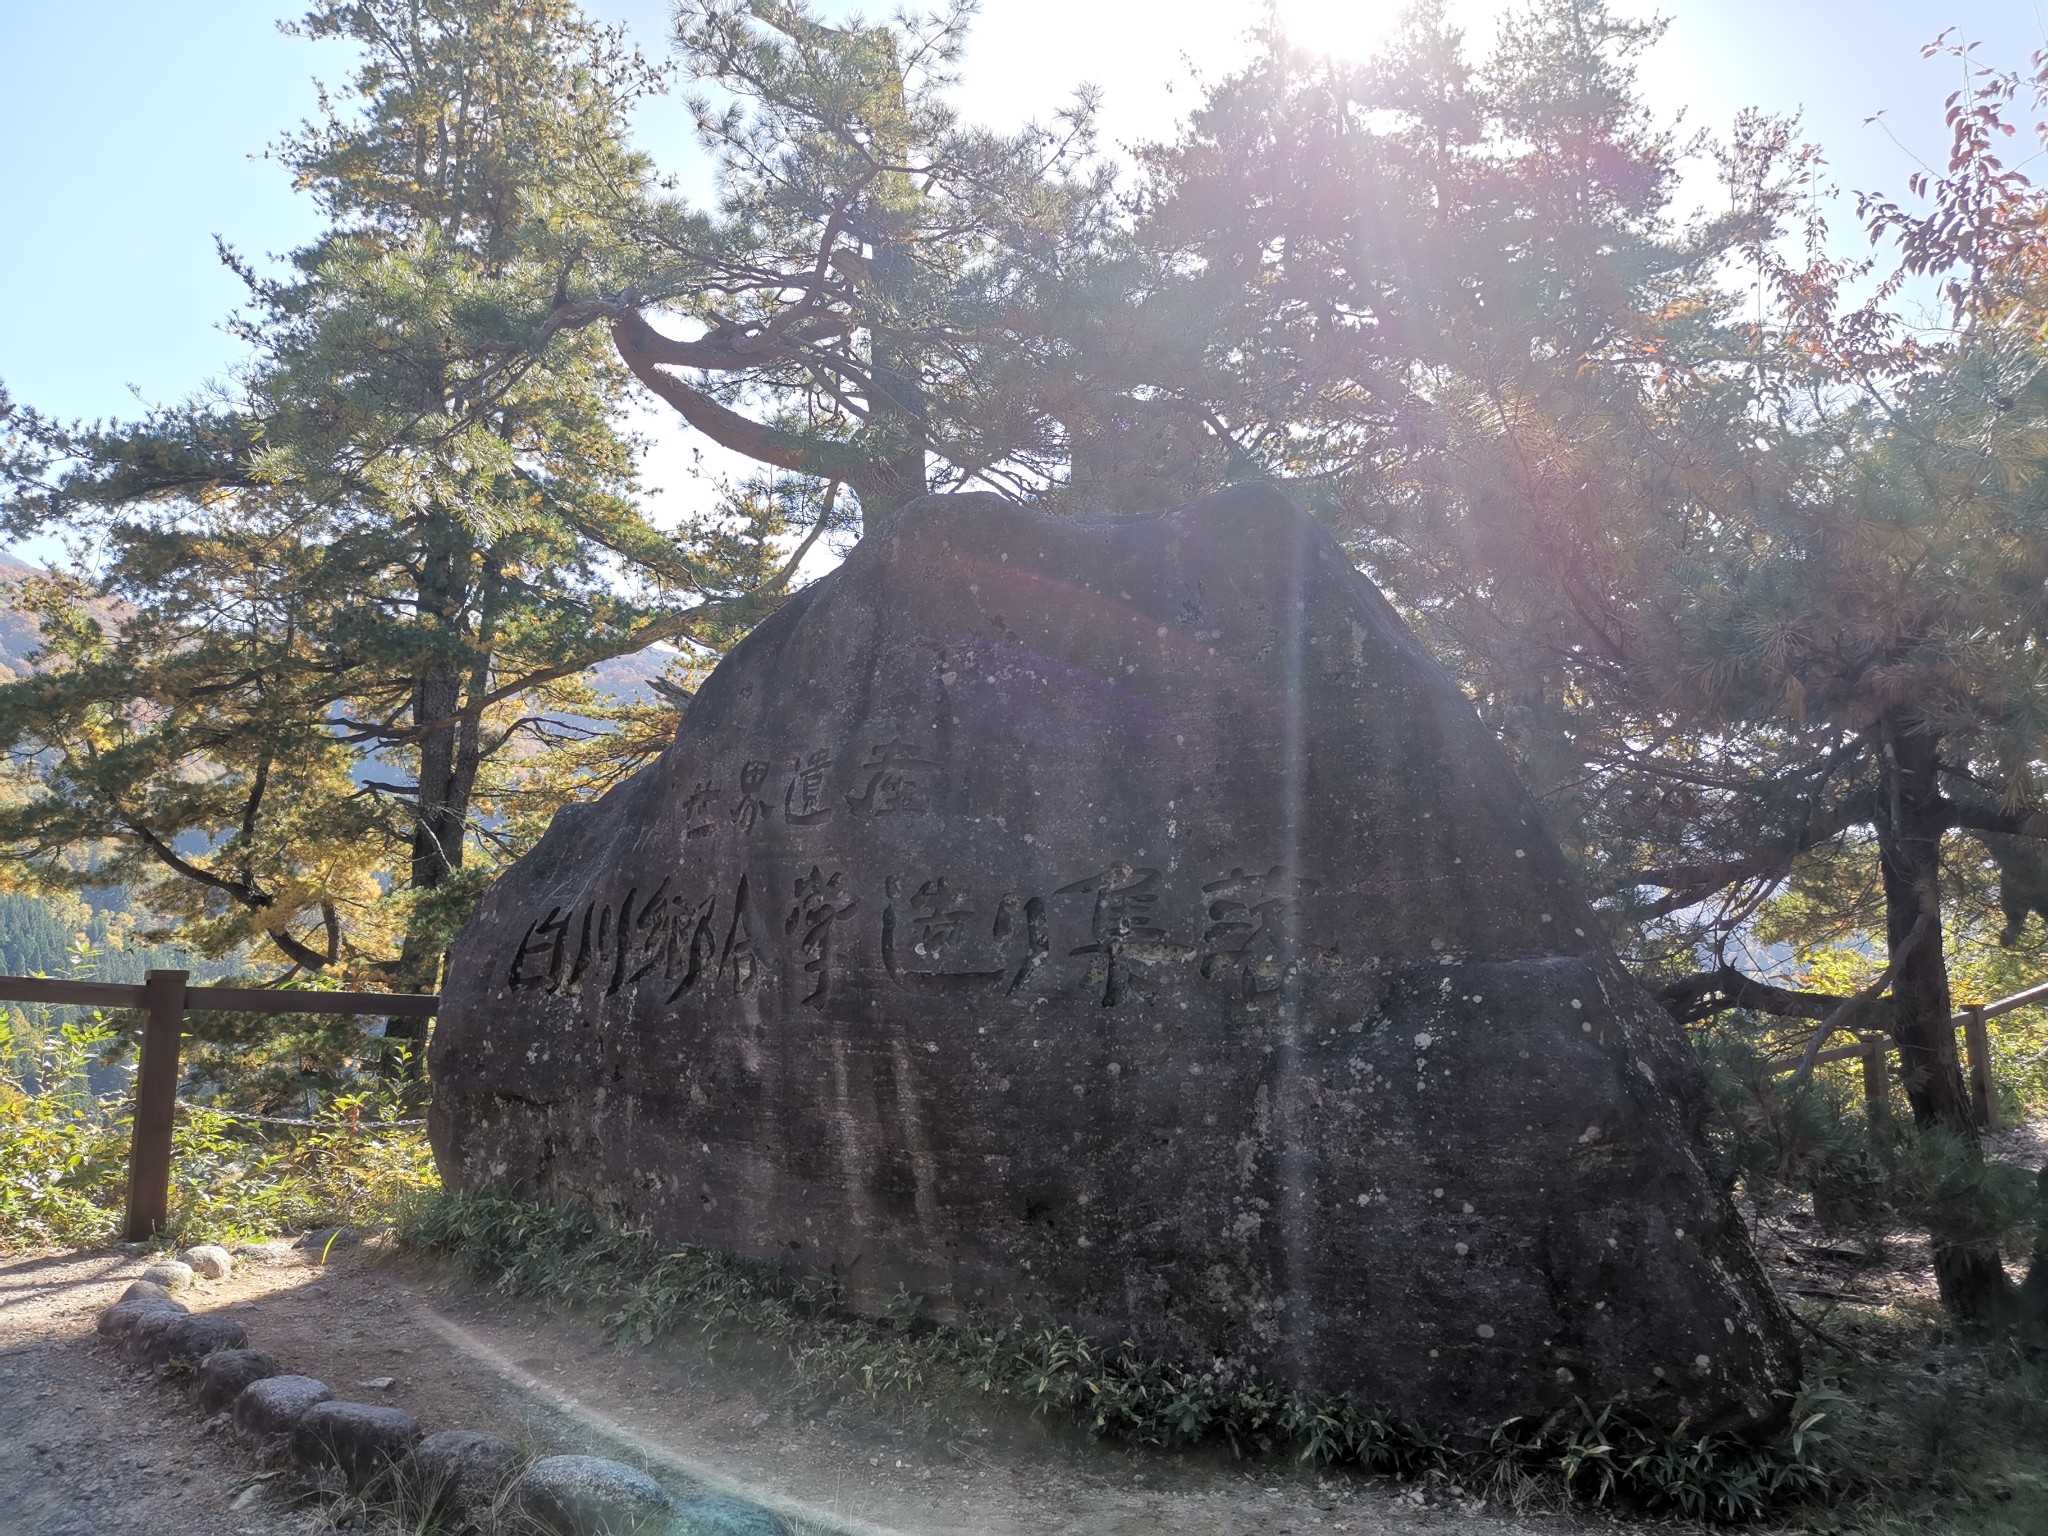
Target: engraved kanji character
{"type": "Point", "coordinates": [614, 944]}
{"type": "Point", "coordinates": [675, 935]}
{"type": "Point", "coordinates": [803, 803]}
{"type": "Point", "coordinates": [537, 962]}
{"type": "Point", "coordinates": [596, 943]}
{"type": "Point", "coordinates": [821, 901]}
{"type": "Point", "coordinates": [1122, 930]}
{"type": "Point", "coordinates": [691, 946]}
{"type": "Point", "coordinates": [898, 780]}
{"type": "Point", "coordinates": [1023, 937]}
{"type": "Point", "coordinates": [751, 807]}
{"type": "Point", "coordinates": [937, 914]}
{"type": "Point", "coordinates": [923, 936]}
{"type": "Point", "coordinates": [700, 811]}
{"type": "Point", "coordinates": [652, 923]}
{"type": "Point", "coordinates": [740, 961]}
{"type": "Point", "coordinates": [1254, 936]}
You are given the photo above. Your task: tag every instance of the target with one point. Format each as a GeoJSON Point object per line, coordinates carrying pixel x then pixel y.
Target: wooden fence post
{"type": "Point", "coordinates": [1877, 1079]}
{"type": "Point", "coordinates": [1978, 1044]}
{"type": "Point", "coordinates": [156, 1103]}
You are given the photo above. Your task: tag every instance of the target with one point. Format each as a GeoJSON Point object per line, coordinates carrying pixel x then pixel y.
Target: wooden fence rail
{"type": "Point", "coordinates": [1875, 1052]}
{"type": "Point", "coordinates": [165, 999]}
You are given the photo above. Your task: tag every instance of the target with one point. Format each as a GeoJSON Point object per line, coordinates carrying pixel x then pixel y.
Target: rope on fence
{"type": "Point", "coordinates": [241, 1114]}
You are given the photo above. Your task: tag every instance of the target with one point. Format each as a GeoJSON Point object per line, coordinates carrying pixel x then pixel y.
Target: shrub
{"type": "Point", "coordinates": [64, 1150]}
{"type": "Point", "coordinates": [642, 1289]}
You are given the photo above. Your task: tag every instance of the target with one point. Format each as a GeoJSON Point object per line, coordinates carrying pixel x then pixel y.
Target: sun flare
{"type": "Point", "coordinates": [1345, 29]}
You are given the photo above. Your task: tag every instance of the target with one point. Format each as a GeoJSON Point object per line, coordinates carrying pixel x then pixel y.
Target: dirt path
{"type": "Point", "coordinates": [89, 1444]}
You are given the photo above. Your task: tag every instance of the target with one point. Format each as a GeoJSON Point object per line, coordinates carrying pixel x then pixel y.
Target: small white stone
{"type": "Point", "coordinates": [1486, 1330]}
{"type": "Point", "coordinates": [1521, 853]}
{"type": "Point", "coordinates": [1564, 1376]}
{"type": "Point", "coordinates": [1702, 1363]}
{"type": "Point", "coordinates": [1577, 1004]}
{"type": "Point", "coordinates": [1468, 1207]}
{"type": "Point", "coordinates": [1461, 1249]}
{"type": "Point", "coordinates": [1422, 1041]}
{"type": "Point", "coordinates": [1678, 1231]}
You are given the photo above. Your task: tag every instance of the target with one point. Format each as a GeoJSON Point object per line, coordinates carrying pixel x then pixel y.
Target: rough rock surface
{"type": "Point", "coordinates": [714, 1514]}
{"type": "Point", "coordinates": [462, 1471]}
{"type": "Point", "coordinates": [145, 1290]}
{"type": "Point", "coordinates": [210, 1261]}
{"type": "Point", "coordinates": [143, 1339]}
{"type": "Point", "coordinates": [590, 1496]}
{"type": "Point", "coordinates": [1122, 921]}
{"type": "Point", "coordinates": [219, 1378]}
{"type": "Point", "coordinates": [357, 1440]}
{"type": "Point", "coordinates": [190, 1339]}
{"type": "Point", "coordinates": [274, 1405]}
{"type": "Point", "coordinates": [171, 1274]}
{"type": "Point", "coordinates": [117, 1321]}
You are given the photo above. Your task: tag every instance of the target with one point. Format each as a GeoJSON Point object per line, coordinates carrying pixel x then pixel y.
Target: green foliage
{"type": "Point", "coordinates": [889, 299]}
{"type": "Point", "coordinates": [64, 1151]}
{"type": "Point", "coordinates": [1944, 1442]}
{"type": "Point", "coordinates": [645, 1290]}
{"type": "Point", "coordinates": [330, 642]}
{"type": "Point", "coordinates": [1782, 1139]}
{"type": "Point", "coordinates": [41, 935]}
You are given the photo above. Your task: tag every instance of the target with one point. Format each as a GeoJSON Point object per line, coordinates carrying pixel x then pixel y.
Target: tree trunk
{"type": "Point", "coordinates": [1912, 819]}
{"type": "Point", "coordinates": [447, 774]}
{"type": "Point", "coordinates": [897, 408]}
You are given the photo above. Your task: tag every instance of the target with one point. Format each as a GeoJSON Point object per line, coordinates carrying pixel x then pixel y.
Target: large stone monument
{"type": "Point", "coordinates": [1123, 922]}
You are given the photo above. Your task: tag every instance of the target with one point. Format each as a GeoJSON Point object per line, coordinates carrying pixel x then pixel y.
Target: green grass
{"type": "Point", "coordinates": [1932, 1433]}
{"type": "Point", "coordinates": [64, 1152]}
{"type": "Point", "coordinates": [643, 1290]}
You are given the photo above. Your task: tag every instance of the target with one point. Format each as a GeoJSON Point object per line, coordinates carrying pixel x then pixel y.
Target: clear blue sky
{"type": "Point", "coordinates": [132, 132]}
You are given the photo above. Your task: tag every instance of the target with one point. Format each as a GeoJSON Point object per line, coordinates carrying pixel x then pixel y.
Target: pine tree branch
{"type": "Point", "coordinates": [669, 627]}
{"type": "Point", "coordinates": [1977, 818]}
{"type": "Point", "coordinates": [1851, 1005]}
{"type": "Point", "coordinates": [1700, 996]}
{"type": "Point", "coordinates": [646, 351]}
{"type": "Point", "coordinates": [246, 893]}
{"type": "Point", "coordinates": [1689, 884]}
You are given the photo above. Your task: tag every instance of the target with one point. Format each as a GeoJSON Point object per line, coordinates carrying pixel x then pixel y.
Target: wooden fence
{"type": "Point", "coordinates": [1874, 1050]}
{"type": "Point", "coordinates": [165, 999]}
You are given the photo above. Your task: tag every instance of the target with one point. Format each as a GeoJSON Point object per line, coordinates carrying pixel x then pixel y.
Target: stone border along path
{"type": "Point", "coordinates": [476, 1479]}
{"type": "Point", "coordinates": [92, 1446]}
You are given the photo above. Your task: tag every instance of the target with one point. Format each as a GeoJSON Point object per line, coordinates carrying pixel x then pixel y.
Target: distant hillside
{"type": "Point", "coordinates": [18, 633]}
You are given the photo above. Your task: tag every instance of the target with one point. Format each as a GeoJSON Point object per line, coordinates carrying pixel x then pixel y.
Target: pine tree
{"type": "Point", "coordinates": [1753, 586]}
{"type": "Point", "coordinates": [881, 293]}
{"type": "Point", "coordinates": [356, 592]}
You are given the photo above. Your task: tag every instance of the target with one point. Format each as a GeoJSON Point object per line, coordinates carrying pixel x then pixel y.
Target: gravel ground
{"type": "Point", "coordinates": [92, 1446]}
